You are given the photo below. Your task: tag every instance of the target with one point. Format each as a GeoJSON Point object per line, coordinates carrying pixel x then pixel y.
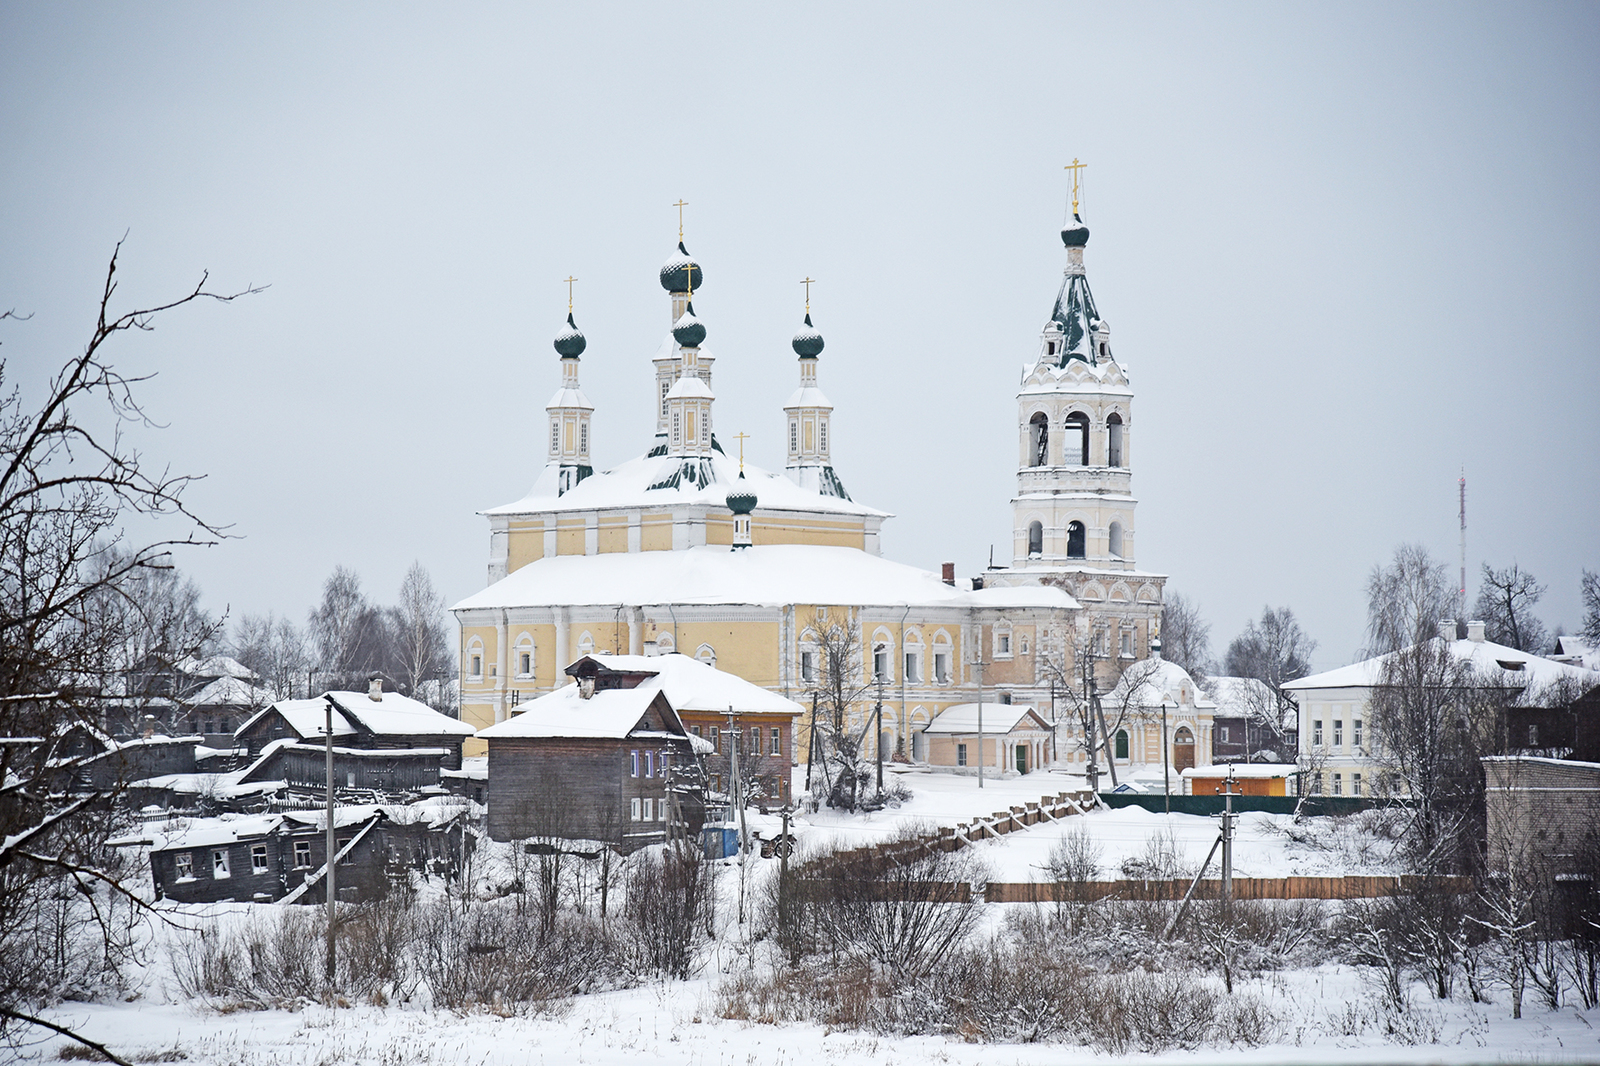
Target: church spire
{"type": "Point", "coordinates": [569, 411]}
{"type": "Point", "coordinates": [808, 414]}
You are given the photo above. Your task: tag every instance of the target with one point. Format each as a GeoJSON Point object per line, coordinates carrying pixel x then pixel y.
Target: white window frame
{"type": "Point", "coordinates": [183, 865]}
{"type": "Point", "coordinates": [634, 807]}
{"type": "Point", "coordinates": [220, 864]}
{"type": "Point", "coordinates": [913, 666]}
{"type": "Point", "coordinates": [649, 810]}
{"type": "Point", "coordinates": [1355, 733]}
{"type": "Point", "coordinates": [941, 666]}
{"type": "Point", "coordinates": [258, 859]}
{"type": "Point", "coordinates": [777, 742]}
{"type": "Point", "coordinates": [961, 755]}
{"type": "Point", "coordinates": [302, 854]}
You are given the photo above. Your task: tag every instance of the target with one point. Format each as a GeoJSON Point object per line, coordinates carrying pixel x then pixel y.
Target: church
{"type": "Point", "coordinates": [685, 549]}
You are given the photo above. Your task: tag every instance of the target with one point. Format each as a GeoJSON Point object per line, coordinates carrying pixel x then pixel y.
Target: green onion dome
{"type": "Point", "coordinates": [688, 330]}
{"type": "Point", "coordinates": [807, 343]}
{"type": "Point", "coordinates": [680, 273]}
{"type": "Point", "coordinates": [741, 500]}
{"type": "Point", "coordinates": [1075, 234]}
{"type": "Point", "coordinates": [569, 342]}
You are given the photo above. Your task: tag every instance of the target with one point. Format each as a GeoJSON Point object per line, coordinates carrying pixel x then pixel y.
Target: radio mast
{"type": "Point", "coordinates": [1462, 593]}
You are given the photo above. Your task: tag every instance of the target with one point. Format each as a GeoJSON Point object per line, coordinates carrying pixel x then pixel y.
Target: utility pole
{"type": "Point", "coordinates": [811, 741]}
{"type": "Point", "coordinates": [329, 877]}
{"type": "Point", "coordinates": [1166, 777]}
{"type": "Point", "coordinates": [980, 664]}
{"type": "Point", "coordinates": [877, 743]}
{"type": "Point", "coordinates": [1227, 790]}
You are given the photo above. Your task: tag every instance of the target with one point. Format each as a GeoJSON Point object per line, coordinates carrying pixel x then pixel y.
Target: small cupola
{"type": "Point", "coordinates": [1075, 234]}
{"type": "Point", "coordinates": [680, 273]}
{"type": "Point", "coordinates": [741, 501]}
{"type": "Point", "coordinates": [807, 343]}
{"type": "Point", "coordinates": [689, 331]}
{"type": "Point", "coordinates": [570, 342]}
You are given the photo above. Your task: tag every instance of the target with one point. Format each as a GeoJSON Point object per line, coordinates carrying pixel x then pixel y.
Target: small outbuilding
{"type": "Point", "coordinates": [1252, 779]}
{"type": "Point", "coordinates": [1007, 738]}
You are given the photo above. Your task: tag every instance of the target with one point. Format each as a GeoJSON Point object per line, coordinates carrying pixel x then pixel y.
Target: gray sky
{"type": "Point", "coordinates": [1345, 251]}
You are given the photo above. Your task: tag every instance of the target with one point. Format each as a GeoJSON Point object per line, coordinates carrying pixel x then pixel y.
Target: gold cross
{"type": "Point", "coordinates": [570, 279]}
{"type": "Point", "coordinates": [1075, 166]}
{"type": "Point", "coordinates": [741, 438]}
{"type": "Point", "coordinates": [680, 205]}
{"type": "Point", "coordinates": [808, 282]}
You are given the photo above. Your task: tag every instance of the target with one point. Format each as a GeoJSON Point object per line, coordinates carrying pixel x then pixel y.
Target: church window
{"type": "Point", "coordinates": [1116, 537]}
{"type": "Point", "coordinates": [555, 436]}
{"type": "Point", "coordinates": [1122, 743]}
{"type": "Point", "coordinates": [586, 643]}
{"type": "Point", "coordinates": [524, 664]}
{"type": "Point", "coordinates": [1100, 640]}
{"type": "Point", "coordinates": [677, 426]}
{"type": "Point", "coordinates": [583, 438]}
{"type": "Point", "coordinates": [1005, 699]}
{"type": "Point", "coordinates": [1038, 440]}
{"type": "Point", "coordinates": [1075, 446]}
{"type": "Point", "coordinates": [822, 435]}
{"type": "Point", "coordinates": [941, 667]}
{"type": "Point", "coordinates": [1127, 644]}
{"type": "Point", "coordinates": [706, 654]}
{"type": "Point", "coordinates": [880, 663]}
{"type": "Point", "coordinates": [1002, 643]}
{"type": "Point", "coordinates": [794, 436]}
{"type": "Point", "coordinates": [1035, 538]}
{"type": "Point", "coordinates": [808, 665]}
{"type": "Point", "coordinates": [664, 387]}
{"type": "Point", "coordinates": [1113, 439]}
{"type": "Point", "coordinates": [1049, 347]}
{"type": "Point", "coordinates": [913, 665]}
{"type": "Point", "coordinates": [1075, 548]}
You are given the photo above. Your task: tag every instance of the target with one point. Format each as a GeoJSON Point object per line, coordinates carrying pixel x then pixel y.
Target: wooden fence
{"type": "Point", "coordinates": [1356, 887]}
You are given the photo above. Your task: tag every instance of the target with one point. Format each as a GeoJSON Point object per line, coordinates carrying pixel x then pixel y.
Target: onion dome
{"type": "Point", "coordinates": [688, 331]}
{"type": "Point", "coordinates": [680, 273]}
{"type": "Point", "coordinates": [807, 343]}
{"type": "Point", "coordinates": [1075, 234]}
{"type": "Point", "coordinates": [741, 500]}
{"type": "Point", "coordinates": [570, 342]}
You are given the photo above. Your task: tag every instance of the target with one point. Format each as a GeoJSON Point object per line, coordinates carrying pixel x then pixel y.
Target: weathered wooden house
{"type": "Point", "coordinates": [85, 759]}
{"type": "Point", "coordinates": [383, 743]}
{"type": "Point", "coordinates": [610, 758]}
{"type": "Point", "coordinates": [269, 857]}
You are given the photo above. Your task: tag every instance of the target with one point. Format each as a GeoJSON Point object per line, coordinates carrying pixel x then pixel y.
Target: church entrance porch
{"type": "Point", "coordinates": [1182, 750]}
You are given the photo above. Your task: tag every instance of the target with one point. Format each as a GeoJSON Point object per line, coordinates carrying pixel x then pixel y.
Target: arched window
{"type": "Point", "coordinates": [706, 654]}
{"type": "Point", "coordinates": [1122, 743]}
{"type": "Point", "coordinates": [1035, 538]}
{"type": "Point", "coordinates": [1113, 439]}
{"type": "Point", "coordinates": [586, 643]}
{"type": "Point", "coordinates": [1075, 540]}
{"type": "Point", "coordinates": [665, 644]}
{"type": "Point", "coordinates": [1038, 440]}
{"type": "Point", "coordinates": [1075, 445]}
{"type": "Point", "coordinates": [524, 657]}
{"type": "Point", "coordinates": [1116, 539]}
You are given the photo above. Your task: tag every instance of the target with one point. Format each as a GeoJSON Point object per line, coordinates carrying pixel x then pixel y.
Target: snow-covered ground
{"type": "Point", "coordinates": [1328, 1014]}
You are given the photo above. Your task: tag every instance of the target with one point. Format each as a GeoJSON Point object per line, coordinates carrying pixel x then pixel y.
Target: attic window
{"type": "Point", "coordinates": [1049, 347]}
{"type": "Point", "coordinates": [1511, 664]}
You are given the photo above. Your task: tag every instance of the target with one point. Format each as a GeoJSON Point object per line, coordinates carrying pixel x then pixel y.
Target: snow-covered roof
{"type": "Point", "coordinates": [962, 718]}
{"type": "Point", "coordinates": [771, 574]}
{"type": "Point", "coordinates": [628, 485]}
{"type": "Point", "coordinates": [808, 396]}
{"type": "Point", "coordinates": [229, 691]}
{"type": "Point", "coordinates": [216, 666]}
{"type": "Point", "coordinates": [692, 685]}
{"type": "Point", "coordinates": [610, 713]}
{"type": "Point", "coordinates": [1576, 652]}
{"type": "Point", "coordinates": [1243, 769]}
{"type": "Point", "coordinates": [1497, 664]}
{"type": "Point", "coordinates": [1242, 697]}
{"type": "Point", "coordinates": [1148, 682]}
{"type": "Point", "coordinates": [566, 397]}
{"type": "Point", "coordinates": [392, 715]}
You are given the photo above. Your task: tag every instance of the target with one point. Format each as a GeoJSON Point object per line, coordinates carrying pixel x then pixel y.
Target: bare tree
{"type": "Point", "coordinates": [275, 649]}
{"type": "Point", "coordinates": [1506, 599]}
{"type": "Point", "coordinates": [1185, 636]}
{"type": "Point", "coordinates": [1591, 608]}
{"type": "Point", "coordinates": [1274, 651]}
{"type": "Point", "coordinates": [69, 477]}
{"type": "Point", "coordinates": [841, 727]}
{"type": "Point", "coordinates": [418, 623]}
{"type": "Point", "coordinates": [1407, 599]}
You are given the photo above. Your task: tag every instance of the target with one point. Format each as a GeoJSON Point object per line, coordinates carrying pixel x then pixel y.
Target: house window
{"type": "Point", "coordinates": [1316, 784]}
{"type": "Point", "coordinates": [880, 663]}
{"type": "Point", "coordinates": [633, 758]}
{"type": "Point", "coordinates": [1355, 784]}
{"type": "Point", "coordinates": [258, 858]}
{"type": "Point", "coordinates": [808, 666]}
{"type": "Point", "coordinates": [1338, 732]}
{"type": "Point", "coordinates": [1224, 731]}
{"type": "Point", "coordinates": [184, 863]}
{"type": "Point", "coordinates": [913, 665]}
{"type": "Point", "coordinates": [339, 844]}
{"type": "Point", "coordinates": [777, 742]}
{"type": "Point", "coordinates": [1338, 784]}
{"type": "Point", "coordinates": [649, 810]}
{"type": "Point", "coordinates": [1533, 734]}
{"type": "Point", "coordinates": [1355, 733]}
{"type": "Point", "coordinates": [302, 854]}
{"type": "Point", "coordinates": [941, 667]}
{"type": "Point", "coordinates": [961, 755]}
{"type": "Point", "coordinates": [219, 863]}
{"type": "Point", "coordinates": [649, 764]}
{"type": "Point", "coordinates": [633, 805]}
{"type": "Point", "coordinates": [349, 779]}
{"type": "Point", "coordinates": [1316, 733]}
{"type": "Point", "coordinates": [716, 782]}
{"type": "Point", "coordinates": [716, 739]}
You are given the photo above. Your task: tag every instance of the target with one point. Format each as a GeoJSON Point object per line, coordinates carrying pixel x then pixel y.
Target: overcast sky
{"type": "Point", "coordinates": [1346, 251]}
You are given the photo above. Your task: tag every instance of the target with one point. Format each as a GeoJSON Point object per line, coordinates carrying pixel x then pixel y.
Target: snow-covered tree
{"type": "Point", "coordinates": [1407, 599]}
{"type": "Point", "coordinates": [1185, 636]}
{"type": "Point", "coordinates": [1274, 651]}
{"type": "Point", "coordinates": [1506, 599]}
{"type": "Point", "coordinates": [1591, 608]}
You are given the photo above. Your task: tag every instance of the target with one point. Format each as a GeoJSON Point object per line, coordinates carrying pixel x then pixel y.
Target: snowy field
{"type": "Point", "coordinates": [1328, 1014]}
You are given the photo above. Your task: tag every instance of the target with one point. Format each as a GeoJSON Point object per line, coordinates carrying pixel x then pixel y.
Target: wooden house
{"type": "Point", "coordinates": [610, 757]}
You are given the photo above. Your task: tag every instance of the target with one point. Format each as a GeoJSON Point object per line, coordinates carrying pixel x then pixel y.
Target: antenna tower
{"type": "Point", "coordinates": [1462, 593]}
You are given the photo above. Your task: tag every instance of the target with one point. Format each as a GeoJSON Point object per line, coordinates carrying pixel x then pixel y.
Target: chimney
{"type": "Point", "coordinates": [1447, 629]}
{"type": "Point", "coordinates": [149, 726]}
{"type": "Point", "coordinates": [375, 690]}
{"type": "Point", "coordinates": [585, 687]}
{"type": "Point", "coordinates": [949, 573]}
{"type": "Point", "coordinates": [1475, 632]}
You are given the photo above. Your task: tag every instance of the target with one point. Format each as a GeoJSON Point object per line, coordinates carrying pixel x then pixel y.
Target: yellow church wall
{"type": "Point", "coordinates": [570, 536]}
{"type": "Point", "coordinates": [524, 545]}
{"type": "Point", "coordinates": [613, 534]}
{"type": "Point", "coordinates": [655, 534]}
{"type": "Point", "coordinates": [719, 530]}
